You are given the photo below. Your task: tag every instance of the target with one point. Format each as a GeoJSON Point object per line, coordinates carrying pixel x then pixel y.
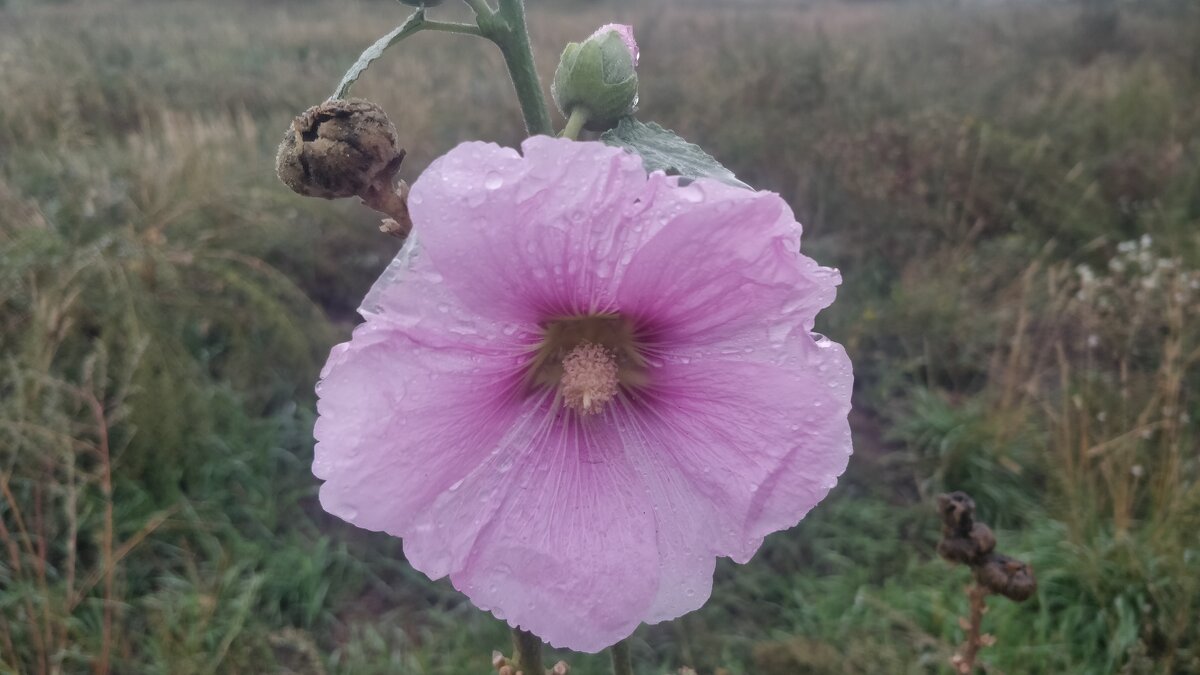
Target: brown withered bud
{"type": "Point", "coordinates": [969, 550]}
{"type": "Point", "coordinates": [340, 148]}
{"type": "Point", "coordinates": [963, 540]}
{"type": "Point", "coordinates": [1006, 576]}
{"type": "Point", "coordinates": [958, 514]}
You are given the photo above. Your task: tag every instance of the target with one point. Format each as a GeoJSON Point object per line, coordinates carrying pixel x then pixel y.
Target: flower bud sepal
{"type": "Point", "coordinates": [598, 75]}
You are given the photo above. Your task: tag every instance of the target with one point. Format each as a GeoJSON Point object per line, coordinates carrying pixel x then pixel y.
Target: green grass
{"type": "Point", "coordinates": [983, 175]}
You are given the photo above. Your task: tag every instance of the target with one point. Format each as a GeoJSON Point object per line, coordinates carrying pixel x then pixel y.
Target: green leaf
{"type": "Point", "coordinates": [413, 25]}
{"type": "Point", "coordinates": [663, 150]}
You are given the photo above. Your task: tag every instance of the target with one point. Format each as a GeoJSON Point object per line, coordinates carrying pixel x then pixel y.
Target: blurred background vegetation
{"type": "Point", "coordinates": [1012, 190]}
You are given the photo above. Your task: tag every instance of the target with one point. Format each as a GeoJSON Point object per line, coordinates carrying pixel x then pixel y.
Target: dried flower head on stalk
{"type": "Point", "coordinates": [346, 148]}
{"type": "Point", "coordinates": [968, 542]}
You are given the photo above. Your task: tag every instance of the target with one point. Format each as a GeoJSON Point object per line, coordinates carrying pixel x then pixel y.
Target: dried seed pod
{"type": "Point", "coordinates": [340, 148]}
{"type": "Point", "coordinates": [983, 539]}
{"type": "Point", "coordinates": [958, 514]}
{"type": "Point", "coordinates": [1007, 576]}
{"type": "Point", "coordinates": [969, 550]}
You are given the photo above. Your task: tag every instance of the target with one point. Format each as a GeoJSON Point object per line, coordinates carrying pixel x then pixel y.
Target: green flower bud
{"type": "Point", "coordinates": [599, 75]}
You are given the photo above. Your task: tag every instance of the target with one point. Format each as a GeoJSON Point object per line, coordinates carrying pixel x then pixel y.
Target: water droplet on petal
{"type": "Point", "coordinates": [692, 193]}
{"type": "Point", "coordinates": [493, 181]}
{"type": "Point", "coordinates": [779, 332]}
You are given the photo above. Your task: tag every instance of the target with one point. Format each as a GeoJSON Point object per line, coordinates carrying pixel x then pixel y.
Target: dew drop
{"type": "Point", "coordinates": [692, 193]}
{"type": "Point", "coordinates": [779, 332]}
{"type": "Point", "coordinates": [493, 181]}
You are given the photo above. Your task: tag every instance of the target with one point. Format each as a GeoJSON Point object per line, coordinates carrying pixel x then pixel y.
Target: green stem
{"type": "Point", "coordinates": [452, 27]}
{"type": "Point", "coordinates": [621, 661]}
{"type": "Point", "coordinates": [578, 118]}
{"type": "Point", "coordinates": [411, 26]}
{"type": "Point", "coordinates": [527, 652]}
{"type": "Point", "coordinates": [507, 28]}
{"type": "Point", "coordinates": [481, 7]}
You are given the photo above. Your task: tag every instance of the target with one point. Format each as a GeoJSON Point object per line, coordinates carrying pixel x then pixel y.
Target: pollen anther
{"type": "Point", "coordinates": [590, 378]}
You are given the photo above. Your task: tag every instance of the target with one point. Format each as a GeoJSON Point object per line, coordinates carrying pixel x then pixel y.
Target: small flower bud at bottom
{"type": "Point", "coordinates": [340, 148]}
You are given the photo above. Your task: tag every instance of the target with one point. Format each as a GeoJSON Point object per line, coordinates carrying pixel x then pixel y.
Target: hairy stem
{"type": "Point", "coordinates": [578, 118]}
{"type": "Point", "coordinates": [410, 27]}
{"type": "Point", "coordinates": [507, 28]}
{"type": "Point", "coordinates": [970, 650]}
{"type": "Point", "coordinates": [415, 23]}
{"type": "Point", "coordinates": [527, 652]}
{"type": "Point", "coordinates": [452, 27]}
{"type": "Point", "coordinates": [621, 661]}
{"type": "Point", "coordinates": [481, 7]}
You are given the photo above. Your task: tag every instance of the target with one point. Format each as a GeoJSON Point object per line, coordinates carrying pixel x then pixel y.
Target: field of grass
{"type": "Point", "coordinates": [1011, 190]}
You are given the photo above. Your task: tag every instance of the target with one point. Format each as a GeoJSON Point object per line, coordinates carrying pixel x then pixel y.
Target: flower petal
{"type": "Point", "coordinates": [733, 449]}
{"type": "Point", "coordinates": [390, 435]}
{"type": "Point", "coordinates": [570, 552]}
{"type": "Point", "coordinates": [726, 258]}
{"type": "Point", "coordinates": [523, 238]}
{"type": "Point", "coordinates": [578, 529]}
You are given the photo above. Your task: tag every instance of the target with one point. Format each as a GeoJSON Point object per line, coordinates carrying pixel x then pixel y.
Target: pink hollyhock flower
{"type": "Point", "coordinates": [582, 385]}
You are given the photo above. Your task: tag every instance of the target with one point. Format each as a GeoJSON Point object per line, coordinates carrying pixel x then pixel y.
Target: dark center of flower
{"type": "Point", "coordinates": [588, 359]}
